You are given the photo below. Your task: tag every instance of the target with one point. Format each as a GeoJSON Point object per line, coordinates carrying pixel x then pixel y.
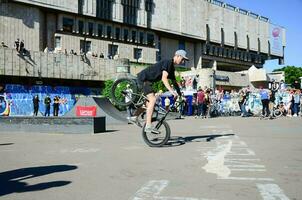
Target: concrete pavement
{"type": "Point", "coordinates": [221, 158]}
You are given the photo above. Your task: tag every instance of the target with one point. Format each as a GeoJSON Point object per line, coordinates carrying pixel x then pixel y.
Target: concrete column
{"type": "Point", "coordinates": [60, 22]}
{"type": "Point", "coordinates": [197, 55]}
{"type": "Point", "coordinates": [214, 68]}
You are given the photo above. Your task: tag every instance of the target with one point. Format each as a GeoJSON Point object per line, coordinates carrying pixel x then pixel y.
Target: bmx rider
{"type": "Point", "coordinates": [163, 71]}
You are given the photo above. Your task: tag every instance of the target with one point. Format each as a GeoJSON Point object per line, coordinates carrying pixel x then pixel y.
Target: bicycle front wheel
{"type": "Point", "coordinates": [124, 91]}
{"type": "Point", "coordinates": [157, 139]}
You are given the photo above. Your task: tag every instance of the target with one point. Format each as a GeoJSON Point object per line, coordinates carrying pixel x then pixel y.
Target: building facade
{"type": "Point", "coordinates": [145, 31]}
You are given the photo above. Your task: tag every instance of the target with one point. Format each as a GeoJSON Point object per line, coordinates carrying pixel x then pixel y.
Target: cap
{"type": "Point", "coordinates": [182, 53]}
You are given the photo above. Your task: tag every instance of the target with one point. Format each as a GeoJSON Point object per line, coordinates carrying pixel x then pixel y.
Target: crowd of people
{"type": "Point", "coordinates": [245, 102]}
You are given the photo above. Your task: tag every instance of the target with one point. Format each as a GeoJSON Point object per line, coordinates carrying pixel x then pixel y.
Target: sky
{"type": "Point", "coordinates": [285, 13]}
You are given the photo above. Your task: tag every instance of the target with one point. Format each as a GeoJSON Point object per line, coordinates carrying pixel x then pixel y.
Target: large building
{"type": "Point", "coordinates": [145, 31]}
{"type": "Point", "coordinates": [219, 38]}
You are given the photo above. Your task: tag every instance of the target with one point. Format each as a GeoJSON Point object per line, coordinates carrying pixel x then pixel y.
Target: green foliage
{"type": "Point", "coordinates": [107, 93]}
{"type": "Point", "coordinates": [107, 89]}
{"type": "Point", "coordinates": [292, 73]}
{"type": "Point", "coordinates": [159, 85]}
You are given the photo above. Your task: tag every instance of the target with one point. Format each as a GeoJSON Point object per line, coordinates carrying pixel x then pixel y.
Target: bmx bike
{"type": "Point", "coordinates": [126, 92]}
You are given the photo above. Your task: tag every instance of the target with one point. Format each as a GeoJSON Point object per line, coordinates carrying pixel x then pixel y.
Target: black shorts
{"type": "Point", "coordinates": [146, 86]}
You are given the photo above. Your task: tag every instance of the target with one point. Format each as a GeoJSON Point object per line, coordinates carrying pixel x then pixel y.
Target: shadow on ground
{"type": "Point", "coordinates": [177, 140]}
{"type": "Point", "coordinates": [6, 144]}
{"type": "Point", "coordinates": [14, 181]}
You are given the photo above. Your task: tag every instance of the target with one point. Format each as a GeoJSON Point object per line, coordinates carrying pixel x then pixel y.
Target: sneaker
{"type": "Point", "coordinates": [133, 120]}
{"type": "Point", "coordinates": [295, 115]}
{"type": "Point", "coordinates": [150, 129]}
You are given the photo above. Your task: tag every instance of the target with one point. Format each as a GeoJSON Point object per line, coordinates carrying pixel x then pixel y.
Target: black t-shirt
{"type": "Point", "coordinates": [153, 73]}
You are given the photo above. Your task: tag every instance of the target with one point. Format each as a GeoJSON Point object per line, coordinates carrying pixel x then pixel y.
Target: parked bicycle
{"type": "Point", "coordinates": [128, 88]}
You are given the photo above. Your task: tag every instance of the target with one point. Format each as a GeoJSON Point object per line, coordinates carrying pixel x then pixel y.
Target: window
{"type": "Point", "coordinates": [150, 39]}
{"type": "Point", "coordinates": [117, 33]}
{"type": "Point", "coordinates": [248, 42]}
{"type": "Point", "coordinates": [90, 28]}
{"type": "Point", "coordinates": [130, 10]}
{"type": "Point", "coordinates": [85, 46]}
{"type": "Point", "coordinates": [104, 9]}
{"type": "Point", "coordinates": [148, 5]}
{"type": "Point", "coordinates": [100, 30]}
{"type": "Point", "coordinates": [109, 31]}
{"type": "Point", "coordinates": [230, 7]}
{"type": "Point", "coordinates": [138, 53]}
{"type": "Point", "coordinates": [236, 40]}
{"type": "Point", "coordinates": [222, 37]}
{"type": "Point", "coordinates": [208, 33]}
{"type": "Point", "coordinates": [81, 27]}
{"type": "Point", "coordinates": [81, 4]}
{"type": "Point", "coordinates": [113, 50]}
{"type": "Point", "coordinates": [259, 46]}
{"type": "Point", "coordinates": [126, 34]}
{"type": "Point", "coordinates": [57, 42]}
{"type": "Point", "coordinates": [67, 24]}
{"type": "Point", "coordinates": [181, 45]}
{"type": "Point", "coordinates": [133, 36]}
{"type": "Point", "coordinates": [141, 37]}
{"type": "Point", "coordinates": [269, 47]}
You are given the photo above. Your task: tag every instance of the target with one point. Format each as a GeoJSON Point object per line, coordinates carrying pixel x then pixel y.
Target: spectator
{"type": "Point", "coordinates": [22, 49]}
{"type": "Point", "coordinates": [265, 102]}
{"type": "Point", "coordinates": [3, 45]}
{"type": "Point", "coordinates": [116, 56]}
{"type": "Point", "coordinates": [46, 50]}
{"type": "Point", "coordinates": [242, 102]}
{"type": "Point", "coordinates": [56, 105]}
{"type": "Point", "coordinates": [195, 82]}
{"type": "Point", "coordinates": [289, 103]}
{"type": "Point", "coordinates": [167, 103]}
{"type": "Point", "coordinates": [36, 105]}
{"type": "Point", "coordinates": [17, 44]}
{"type": "Point", "coordinates": [47, 102]}
{"type": "Point", "coordinates": [282, 85]}
{"type": "Point", "coordinates": [128, 99]}
{"type": "Point", "coordinates": [297, 97]}
{"type": "Point", "coordinates": [183, 83]}
{"type": "Point", "coordinates": [296, 85]}
{"type": "Point", "coordinates": [201, 103]}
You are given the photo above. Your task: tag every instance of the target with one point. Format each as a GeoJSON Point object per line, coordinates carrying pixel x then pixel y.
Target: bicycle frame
{"type": "Point", "coordinates": [160, 121]}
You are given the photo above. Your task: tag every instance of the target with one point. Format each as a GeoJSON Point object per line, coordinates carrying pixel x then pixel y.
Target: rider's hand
{"type": "Point", "coordinates": [175, 95]}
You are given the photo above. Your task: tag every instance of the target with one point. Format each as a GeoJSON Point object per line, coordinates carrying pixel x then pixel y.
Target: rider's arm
{"type": "Point", "coordinates": [175, 84]}
{"type": "Point", "coordinates": [164, 79]}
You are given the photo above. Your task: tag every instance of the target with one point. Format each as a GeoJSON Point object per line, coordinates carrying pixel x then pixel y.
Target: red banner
{"type": "Point", "coordinates": [86, 111]}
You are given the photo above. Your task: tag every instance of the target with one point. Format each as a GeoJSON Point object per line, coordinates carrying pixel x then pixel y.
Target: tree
{"type": "Point", "coordinates": [292, 73]}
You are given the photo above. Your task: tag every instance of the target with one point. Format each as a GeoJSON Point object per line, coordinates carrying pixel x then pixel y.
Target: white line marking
{"type": "Point", "coordinates": [152, 189]}
{"type": "Point", "coordinates": [215, 159]}
{"type": "Point", "coordinates": [249, 170]}
{"type": "Point", "coordinates": [271, 192]}
{"type": "Point", "coordinates": [247, 179]}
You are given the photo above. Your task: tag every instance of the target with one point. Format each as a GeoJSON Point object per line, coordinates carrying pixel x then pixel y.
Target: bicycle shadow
{"type": "Point", "coordinates": [14, 181]}
{"type": "Point", "coordinates": [178, 140]}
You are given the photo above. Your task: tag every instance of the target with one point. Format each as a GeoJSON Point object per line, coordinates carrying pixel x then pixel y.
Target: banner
{"type": "Point", "coordinates": [86, 111]}
{"type": "Point", "coordinates": [276, 40]}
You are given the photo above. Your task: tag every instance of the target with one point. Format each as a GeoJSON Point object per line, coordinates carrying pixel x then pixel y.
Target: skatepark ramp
{"type": "Point", "coordinates": [103, 108]}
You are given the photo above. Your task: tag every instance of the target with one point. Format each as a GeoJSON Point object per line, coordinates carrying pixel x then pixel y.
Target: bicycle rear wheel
{"type": "Point", "coordinates": [124, 91]}
{"type": "Point", "coordinates": [277, 112]}
{"type": "Point", "coordinates": [157, 140]}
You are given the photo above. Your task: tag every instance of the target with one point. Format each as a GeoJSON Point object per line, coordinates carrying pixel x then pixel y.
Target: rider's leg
{"type": "Point", "coordinates": [150, 107]}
